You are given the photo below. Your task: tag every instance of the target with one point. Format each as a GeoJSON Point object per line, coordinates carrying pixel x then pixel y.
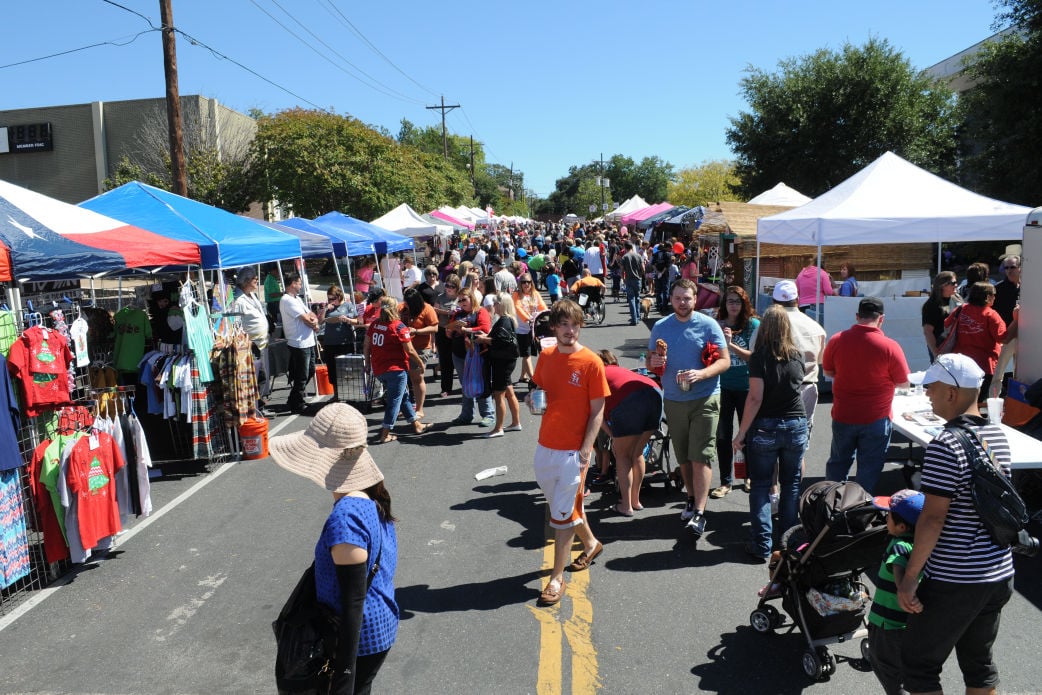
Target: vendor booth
{"type": "Point", "coordinates": [891, 201]}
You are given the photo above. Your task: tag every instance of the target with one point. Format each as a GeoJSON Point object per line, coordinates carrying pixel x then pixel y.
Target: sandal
{"type": "Point", "coordinates": [423, 427]}
{"type": "Point", "coordinates": [720, 492]}
{"type": "Point", "coordinates": [550, 595]}
{"type": "Point", "coordinates": [387, 438]}
{"type": "Point", "coordinates": [584, 561]}
{"type": "Point", "coordinates": [620, 512]}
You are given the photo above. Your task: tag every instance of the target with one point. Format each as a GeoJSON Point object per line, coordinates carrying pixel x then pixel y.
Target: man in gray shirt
{"type": "Point", "coordinates": [632, 273]}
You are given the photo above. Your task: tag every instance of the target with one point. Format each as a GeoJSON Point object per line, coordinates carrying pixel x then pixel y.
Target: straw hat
{"type": "Point", "coordinates": [331, 451]}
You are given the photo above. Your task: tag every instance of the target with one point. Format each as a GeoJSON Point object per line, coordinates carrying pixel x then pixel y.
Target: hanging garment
{"type": "Point", "coordinates": [104, 377]}
{"type": "Point", "coordinates": [8, 331]}
{"type": "Point", "coordinates": [14, 543]}
{"type": "Point", "coordinates": [133, 329]}
{"type": "Point", "coordinates": [39, 360]}
{"type": "Point", "coordinates": [208, 437]}
{"type": "Point", "coordinates": [10, 454]}
{"type": "Point", "coordinates": [78, 336]}
{"type": "Point", "coordinates": [88, 492]}
{"type": "Point", "coordinates": [233, 357]}
{"type": "Point", "coordinates": [198, 332]}
{"type": "Point", "coordinates": [139, 460]}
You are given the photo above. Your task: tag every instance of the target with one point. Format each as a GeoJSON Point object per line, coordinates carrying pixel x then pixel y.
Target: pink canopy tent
{"type": "Point", "coordinates": [647, 212]}
{"type": "Point", "coordinates": [449, 218]}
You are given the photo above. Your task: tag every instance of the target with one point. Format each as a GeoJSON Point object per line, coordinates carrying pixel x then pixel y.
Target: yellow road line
{"type": "Point", "coordinates": [577, 629]}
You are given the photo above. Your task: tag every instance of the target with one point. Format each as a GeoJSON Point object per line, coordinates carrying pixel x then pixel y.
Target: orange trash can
{"type": "Point", "coordinates": [253, 436]}
{"type": "Point", "coordinates": [325, 387]}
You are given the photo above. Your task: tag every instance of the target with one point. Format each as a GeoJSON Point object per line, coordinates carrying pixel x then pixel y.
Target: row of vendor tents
{"type": "Point", "coordinates": [138, 227]}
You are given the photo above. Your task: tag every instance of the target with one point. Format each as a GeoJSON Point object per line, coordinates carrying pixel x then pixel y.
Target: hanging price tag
{"type": "Point", "coordinates": [94, 444]}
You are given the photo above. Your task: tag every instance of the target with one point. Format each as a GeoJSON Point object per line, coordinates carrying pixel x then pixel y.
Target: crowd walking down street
{"type": "Point", "coordinates": [543, 544]}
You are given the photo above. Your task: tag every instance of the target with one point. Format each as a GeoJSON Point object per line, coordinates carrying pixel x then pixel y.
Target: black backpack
{"type": "Point", "coordinates": [1000, 508]}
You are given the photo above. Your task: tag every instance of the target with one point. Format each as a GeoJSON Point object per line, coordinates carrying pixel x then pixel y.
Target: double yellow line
{"type": "Point", "coordinates": [577, 629]}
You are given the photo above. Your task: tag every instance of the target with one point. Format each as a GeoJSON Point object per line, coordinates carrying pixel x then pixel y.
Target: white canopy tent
{"type": "Point", "coordinates": [406, 221]}
{"type": "Point", "coordinates": [626, 207]}
{"type": "Point", "coordinates": [781, 195]}
{"type": "Point", "coordinates": [891, 201]}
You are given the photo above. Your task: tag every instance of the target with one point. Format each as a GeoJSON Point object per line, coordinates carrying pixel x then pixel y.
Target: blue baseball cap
{"type": "Point", "coordinates": [907, 504]}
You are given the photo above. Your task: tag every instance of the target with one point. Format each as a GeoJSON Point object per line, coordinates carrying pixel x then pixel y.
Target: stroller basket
{"type": "Point", "coordinates": [818, 625]}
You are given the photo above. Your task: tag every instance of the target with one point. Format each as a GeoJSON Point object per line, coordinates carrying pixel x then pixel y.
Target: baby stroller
{"type": "Point", "coordinates": [542, 331]}
{"type": "Point", "coordinates": [817, 576]}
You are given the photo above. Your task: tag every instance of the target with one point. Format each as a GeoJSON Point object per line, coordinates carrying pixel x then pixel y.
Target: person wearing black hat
{"type": "Point", "coordinates": [866, 367]}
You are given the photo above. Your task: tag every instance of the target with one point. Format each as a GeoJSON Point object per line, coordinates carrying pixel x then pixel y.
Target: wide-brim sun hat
{"type": "Point", "coordinates": [332, 452]}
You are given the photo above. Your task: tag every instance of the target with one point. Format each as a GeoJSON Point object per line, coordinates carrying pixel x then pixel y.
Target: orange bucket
{"type": "Point", "coordinates": [325, 388]}
{"type": "Point", "coordinates": [253, 436]}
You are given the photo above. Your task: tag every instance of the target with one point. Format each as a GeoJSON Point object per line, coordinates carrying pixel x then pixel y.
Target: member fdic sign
{"type": "Point", "coordinates": [33, 137]}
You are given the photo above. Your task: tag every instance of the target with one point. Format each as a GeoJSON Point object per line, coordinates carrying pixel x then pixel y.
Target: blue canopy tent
{"type": "Point", "coordinates": [338, 220]}
{"type": "Point", "coordinates": [345, 243]}
{"type": "Point", "coordinates": [225, 240]}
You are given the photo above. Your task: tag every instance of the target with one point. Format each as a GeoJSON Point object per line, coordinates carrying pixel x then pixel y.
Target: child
{"type": "Point", "coordinates": [886, 621]}
{"type": "Point", "coordinates": [553, 283]}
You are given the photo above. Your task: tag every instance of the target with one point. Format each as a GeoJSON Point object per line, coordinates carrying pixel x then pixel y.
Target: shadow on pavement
{"type": "Point", "coordinates": [476, 596]}
{"type": "Point", "coordinates": [513, 501]}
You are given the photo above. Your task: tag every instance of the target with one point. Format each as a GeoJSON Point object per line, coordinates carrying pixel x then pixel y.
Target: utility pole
{"type": "Point", "coordinates": [444, 110]}
{"type": "Point", "coordinates": [602, 183]}
{"type": "Point", "coordinates": [473, 176]}
{"type": "Point", "coordinates": [511, 180]}
{"type": "Point", "coordinates": [173, 101]}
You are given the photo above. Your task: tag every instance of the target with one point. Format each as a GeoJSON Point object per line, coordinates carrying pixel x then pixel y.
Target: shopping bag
{"type": "Point", "coordinates": [473, 379]}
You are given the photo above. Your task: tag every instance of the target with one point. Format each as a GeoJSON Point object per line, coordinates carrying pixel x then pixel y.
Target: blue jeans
{"type": "Point", "coordinates": [633, 299]}
{"type": "Point", "coordinates": [773, 441]}
{"type": "Point", "coordinates": [394, 397]}
{"type": "Point", "coordinates": [485, 406]}
{"type": "Point", "coordinates": [869, 442]}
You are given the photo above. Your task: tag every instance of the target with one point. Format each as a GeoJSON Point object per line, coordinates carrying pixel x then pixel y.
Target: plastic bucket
{"type": "Point", "coordinates": [254, 438]}
{"type": "Point", "coordinates": [325, 388]}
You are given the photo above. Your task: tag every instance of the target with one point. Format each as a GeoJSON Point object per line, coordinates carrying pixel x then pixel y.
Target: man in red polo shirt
{"type": "Point", "coordinates": [866, 367]}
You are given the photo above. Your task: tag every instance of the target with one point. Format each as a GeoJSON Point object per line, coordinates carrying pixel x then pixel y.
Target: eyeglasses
{"type": "Point", "coordinates": [950, 283]}
{"type": "Point", "coordinates": [452, 287]}
{"type": "Point", "coordinates": [1011, 267]}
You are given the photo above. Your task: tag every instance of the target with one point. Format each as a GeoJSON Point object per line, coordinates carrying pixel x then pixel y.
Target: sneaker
{"type": "Point", "coordinates": [689, 510]}
{"type": "Point", "coordinates": [774, 504]}
{"type": "Point", "coordinates": [697, 526]}
{"type": "Point", "coordinates": [487, 422]}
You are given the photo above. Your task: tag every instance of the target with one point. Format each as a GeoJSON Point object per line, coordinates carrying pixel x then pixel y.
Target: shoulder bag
{"type": "Point", "coordinates": [949, 339]}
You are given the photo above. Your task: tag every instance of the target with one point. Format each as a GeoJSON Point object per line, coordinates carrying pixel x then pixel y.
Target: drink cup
{"type": "Point", "coordinates": [537, 402]}
{"type": "Point", "coordinates": [682, 381]}
{"type": "Point", "coordinates": [995, 410]}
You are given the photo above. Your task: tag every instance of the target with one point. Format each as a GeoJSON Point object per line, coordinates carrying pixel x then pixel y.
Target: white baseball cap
{"type": "Point", "coordinates": [785, 291]}
{"type": "Point", "coordinates": [953, 369]}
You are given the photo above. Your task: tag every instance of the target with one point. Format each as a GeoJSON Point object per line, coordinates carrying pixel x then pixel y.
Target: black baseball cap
{"type": "Point", "coordinates": [870, 307]}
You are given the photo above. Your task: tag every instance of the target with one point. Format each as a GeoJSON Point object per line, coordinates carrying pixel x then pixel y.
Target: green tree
{"type": "Point", "coordinates": [703, 184]}
{"type": "Point", "coordinates": [1002, 139]}
{"type": "Point", "coordinates": [314, 162]}
{"type": "Point", "coordinates": [823, 117]}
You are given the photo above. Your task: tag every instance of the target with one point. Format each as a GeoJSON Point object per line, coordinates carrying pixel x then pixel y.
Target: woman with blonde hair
{"type": "Point", "coordinates": [773, 430]}
{"type": "Point", "coordinates": [469, 318]}
{"type": "Point", "coordinates": [527, 302]}
{"type": "Point", "coordinates": [500, 361]}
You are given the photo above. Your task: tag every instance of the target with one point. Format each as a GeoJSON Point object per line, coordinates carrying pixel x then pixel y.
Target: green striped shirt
{"type": "Point", "coordinates": [886, 611]}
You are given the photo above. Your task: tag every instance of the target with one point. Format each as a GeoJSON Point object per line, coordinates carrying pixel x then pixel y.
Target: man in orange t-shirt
{"type": "Point", "coordinates": [573, 377]}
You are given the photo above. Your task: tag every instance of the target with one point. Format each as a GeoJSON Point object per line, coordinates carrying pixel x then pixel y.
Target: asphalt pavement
{"type": "Point", "coordinates": [185, 602]}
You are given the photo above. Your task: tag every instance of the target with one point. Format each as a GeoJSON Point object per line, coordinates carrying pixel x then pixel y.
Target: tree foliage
{"type": "Point", "coordinates": [577, 190]}
{"type": "Point", "coordinates": [314, 162]}
{"type": "Point", "coordinates": [823, 117]}
{"type": "Point", "coordinates": [1002, 137]}
{"type": "Point", "coordinates": [706, 183]}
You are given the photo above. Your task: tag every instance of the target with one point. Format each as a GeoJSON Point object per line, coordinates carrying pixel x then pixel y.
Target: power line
{"type": "Point", "coordinates": [359, 34]}
{"type": "Point", "coordinates": [113, 42]}
{"type": "Point", "coordinates": [374, 84]}
{"type": "Point", "coordinates": [147, 20]}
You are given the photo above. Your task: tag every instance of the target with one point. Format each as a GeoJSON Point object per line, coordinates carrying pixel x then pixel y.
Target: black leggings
{"type": "Point", "coordinates": [445, 365]}
{"type": "Point", "coordinates": [366, 668]}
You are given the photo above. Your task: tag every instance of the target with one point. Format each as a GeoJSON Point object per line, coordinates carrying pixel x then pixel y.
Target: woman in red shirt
{"type": "Point", "coordinates": [981, 331]}
{"type": "Point", "coordinates": [632, 414]}
{"type": "Point", "coordinates": [470, 317]}
{"type": "Point", "coordinates": [388, 350]}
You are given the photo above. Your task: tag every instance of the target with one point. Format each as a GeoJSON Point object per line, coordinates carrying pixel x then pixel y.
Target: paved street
{"type": "Point", "coordinates": [185, 604]}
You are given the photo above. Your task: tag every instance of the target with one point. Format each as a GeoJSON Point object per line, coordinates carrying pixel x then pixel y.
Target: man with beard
{"type": "Point", "coordinates": [690, 359]}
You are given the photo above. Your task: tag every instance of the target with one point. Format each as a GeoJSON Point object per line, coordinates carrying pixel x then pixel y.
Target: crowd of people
{"type": "Point", "coordinates": [728, 384]}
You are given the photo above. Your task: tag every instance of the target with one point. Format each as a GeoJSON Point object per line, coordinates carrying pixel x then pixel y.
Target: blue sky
{"type": "Point", "coordinates": [543, 84]}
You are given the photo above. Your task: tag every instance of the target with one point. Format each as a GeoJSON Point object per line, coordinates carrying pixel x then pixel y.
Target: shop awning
{"type": "Point", "coordinates": [44, 238]}
{"type": "Point", "coordinates": [338, 220]}
{"type": "Point", "coordinates": [345, 243]}
{"type": "Point", "coordinates": [225, 240]}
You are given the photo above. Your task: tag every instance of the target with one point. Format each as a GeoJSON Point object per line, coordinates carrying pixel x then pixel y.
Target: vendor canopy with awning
{"type": "Point", "coordinates": [313, 244]}
{"type": "Point", "coordinates": [892, 201]}
{"type": "Point", "coordinates": [395, 242]}
{"type": "Point", "coordinates": [626, 207]}
{"type": "Point", "coordinates": [781, 195]}
{"type": "Point", "coordinates": [44, 238]}
{"type": "Point", "coordinates": [454, 221]}
{"type": "Point", "coordinates": [225, 240]}
{"type": "Point", "coordinates": [650, 211]}
{"type": "Point", "coordinates": [345, 242]}
{"type": "Point", "coordinates": [407, 222]}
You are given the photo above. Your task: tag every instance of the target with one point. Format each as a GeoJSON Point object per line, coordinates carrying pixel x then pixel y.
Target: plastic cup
{"type": "Point", "coordinates": [995, 410]}
{"type": "Point", "coordinates": [537, 402]}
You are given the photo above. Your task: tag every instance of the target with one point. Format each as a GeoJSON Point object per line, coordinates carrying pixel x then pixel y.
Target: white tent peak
{"type": "Point", "coordinates": [781, 195]}
{"type": "Point", "coordinates": [626, 207]}
{"type": "Point", "coordinates": [404, 220]}
{"type": "Point", "coordinates": [892, 201]}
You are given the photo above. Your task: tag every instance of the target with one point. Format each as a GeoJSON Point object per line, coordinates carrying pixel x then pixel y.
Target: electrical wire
{"type": "Point", "coordinates": [113, 42]}
{"type": "Point", "coordinates": [373, 83]}
{"type": "Point", "coordinates": [147, 20]}
{"type": "Point", "coordinates": [337, 14]}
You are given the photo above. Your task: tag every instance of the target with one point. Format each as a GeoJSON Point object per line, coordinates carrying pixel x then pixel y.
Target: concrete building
{"type": "Point", "coordinates": [67, 152]}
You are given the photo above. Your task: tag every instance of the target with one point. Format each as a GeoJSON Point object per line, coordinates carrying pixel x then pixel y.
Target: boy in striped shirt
{"type": "Point", "coordinates": [886, 620]}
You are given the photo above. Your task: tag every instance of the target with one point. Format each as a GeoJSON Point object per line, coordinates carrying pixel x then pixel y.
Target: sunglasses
{"type": "Point", "coordinates": [1011, 267]}
{"type": "Point", "coordinates": [945, 368]}
{"type": "Point", "coordinates": [525, 282]}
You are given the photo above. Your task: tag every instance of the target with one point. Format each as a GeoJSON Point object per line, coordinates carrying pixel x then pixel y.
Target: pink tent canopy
{"type": "Point", "coordinates": [647, 212]}
{"type": "Point", "coordinates": [449, 218]}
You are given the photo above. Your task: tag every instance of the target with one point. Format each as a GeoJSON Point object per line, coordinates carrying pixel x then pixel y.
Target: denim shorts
{"type": "Point", "coordinates": [637, 413]}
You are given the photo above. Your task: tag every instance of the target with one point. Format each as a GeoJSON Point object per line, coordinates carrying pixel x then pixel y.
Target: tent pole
{"type": "Point", "coordinates": [756, 287]}
{"type": "Point", "coordinates": [93, 296]}
{"type": "Point", "coordinates": [14, 297]}
{"type": "Point", "coordinates": [119, 299]}
{"type": "Point", "coordinates": [940, 244]}
{"type": "Point", "coordinates": [336, 267]}
{"type": "Point", "coordinates": [202, 289]}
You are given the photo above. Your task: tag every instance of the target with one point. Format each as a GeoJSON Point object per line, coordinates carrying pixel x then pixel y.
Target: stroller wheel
{"type": "Point", "coordinates": [812, 665]}
{"type": "Point", "coordinates": [777, 620]}
{"type": "Point", "coordinates": [761, 621]}
{"type": "Point", "coordinates": [828, 662]}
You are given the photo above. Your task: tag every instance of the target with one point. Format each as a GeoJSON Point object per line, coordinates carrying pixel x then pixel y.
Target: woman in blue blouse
{"type": "Point", "coordinates": [357, 553]}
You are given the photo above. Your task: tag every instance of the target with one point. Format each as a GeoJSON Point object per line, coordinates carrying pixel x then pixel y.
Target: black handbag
{"type": "Point", "coordinates": [504, 340]}
{"type": "Point", "coordinates": [306, 634]}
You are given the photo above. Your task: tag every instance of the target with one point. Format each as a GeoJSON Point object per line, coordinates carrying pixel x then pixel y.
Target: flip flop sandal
{"type": "Point", "coordinates": [388, 438]}
{"type": "Point", "coordinates": [584, 561]}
